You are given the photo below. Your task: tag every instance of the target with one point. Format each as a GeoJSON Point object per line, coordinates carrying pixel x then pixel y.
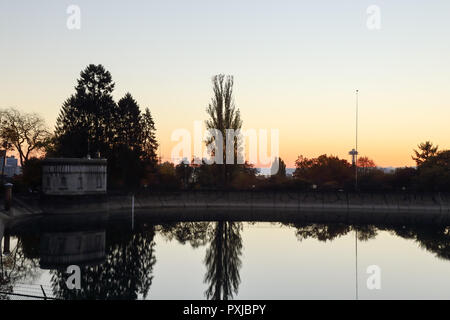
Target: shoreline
{"type": "Point", "coordinates": [329, 207]}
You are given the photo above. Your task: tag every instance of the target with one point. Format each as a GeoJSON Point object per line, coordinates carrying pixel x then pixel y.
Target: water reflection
{"type": "Point", "coordinates": [16, 266]}
{"type": "Point", "coordinates": [223, 261]}
{"type": "Point", "coordinates": [435, 239]}
{"type": "Point", "coordinates": [329, 232]}
{"type": "Point", "coordinates": [126, 272]}
{"type": "Point", "coordinates": [223, 253]}
{"type": "Point", "coordinates": [117, 263]}
{"type": "Point", "coordinates": [61, 249]}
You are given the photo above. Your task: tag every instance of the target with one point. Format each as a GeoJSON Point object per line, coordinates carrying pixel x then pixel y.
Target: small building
{"type": "Point", "coordinates": [73, 176]}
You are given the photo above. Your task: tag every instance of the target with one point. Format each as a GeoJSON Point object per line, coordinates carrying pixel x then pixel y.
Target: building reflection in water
{"type": "Point", "coordinates": [126, 272]}
{"type": "Point", "coordinates": [78, 248]}
{"type": "Point", "coordinates": [115, 263]}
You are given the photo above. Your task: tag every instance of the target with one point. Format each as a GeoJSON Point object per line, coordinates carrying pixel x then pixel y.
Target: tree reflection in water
{"type": "Point", "coordinates": [126, 272]}
{"type": "Point", "coordinates": [223, 253]}
{"type": "Point", "coordinates": [223, 261]}
{"type": "Point", "coordinates": [196, 233]}
{"type": "Point", "coordinates": [16, 268]}
{"type": "Point", "coordinates": [329, 232]}
{"type": "Point", "coordinates": [435, 239]}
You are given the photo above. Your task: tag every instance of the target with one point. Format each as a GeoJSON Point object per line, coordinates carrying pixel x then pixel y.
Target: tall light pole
{"type": "Point", "coordinates": [356, 189]}
{"type": "Point", "coordinates": [356, 145]}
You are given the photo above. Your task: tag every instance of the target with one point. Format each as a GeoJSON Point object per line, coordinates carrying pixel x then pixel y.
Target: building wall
{"type": "Point", "coordinates": [74, 176]}
{"type": "Point", "coordinates": [11, 161]}
{"type": "Point", "coordinates": [11, 171]}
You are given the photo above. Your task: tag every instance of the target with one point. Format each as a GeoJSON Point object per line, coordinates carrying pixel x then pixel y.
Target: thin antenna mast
{"type": "Point", "coordinates": [356, 144]}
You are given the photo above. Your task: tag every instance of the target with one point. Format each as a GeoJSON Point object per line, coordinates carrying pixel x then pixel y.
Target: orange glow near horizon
{"type": "Point", "coordinates": [296, 68]}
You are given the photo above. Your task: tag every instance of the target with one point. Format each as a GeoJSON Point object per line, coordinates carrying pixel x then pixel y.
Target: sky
{"type": "Point", "coordinates": [296, 66]}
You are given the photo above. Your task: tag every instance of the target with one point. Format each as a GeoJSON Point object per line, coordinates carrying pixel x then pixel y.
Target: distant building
{"type": "Point", "coordinates": [73, 176]}
{"type": "Point", "coordinates": [11, 167]}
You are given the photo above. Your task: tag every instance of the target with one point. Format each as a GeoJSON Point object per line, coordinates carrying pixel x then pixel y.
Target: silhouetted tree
{"type": "Point", "coordinates": [91, 121]}
{"type": "Point", "coordinates": [403, 178]}
{"type": "Point", "coordinates": [207, 175]}
{"type": "Point", "coordinates": [223, 116]}
{"type": "Point", "coordinates": [32, 173]}
{"type": "Point", "coordinates": [85, 123]}
{"type": "Point", "coordinates": [426, 150]}
{"type": "Point", "coordinates": [244, 176]}
{"type": "Point", "coordinates": [167, 176]}
{"type": "Point", "coordinates": [365, 164]}
{"type": "Point", "coordinates": [148, 138]}
{"type": "Point", "coordinates": [324, 171]}
{"type": "Point", "coordinates": [25, 133]}
{"type": "Point", "coordinates": [128, 122]}
{"type": "Point", "coordinates": [124, 164]}
{"type": "Point", "coordinates": [184, 172]}
{"type": "Point", "coordinates": [434, 173]}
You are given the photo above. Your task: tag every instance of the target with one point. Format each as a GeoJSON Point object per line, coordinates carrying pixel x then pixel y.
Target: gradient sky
{"type": "Point", "coordinates": [296, 66]}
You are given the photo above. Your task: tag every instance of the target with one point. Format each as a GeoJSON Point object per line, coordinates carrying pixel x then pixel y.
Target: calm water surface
{"type": "Point", "coordinates": [227, 260]}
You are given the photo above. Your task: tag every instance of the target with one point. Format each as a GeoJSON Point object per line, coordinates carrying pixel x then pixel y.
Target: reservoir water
{"type": "Point", "coordinates": [225, 260]}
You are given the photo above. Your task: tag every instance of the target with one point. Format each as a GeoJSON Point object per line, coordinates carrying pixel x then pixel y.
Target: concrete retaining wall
{"type": "Point", "coordinates": [257, 206]}
{"type": "Point", "coordinates": [289, 200]}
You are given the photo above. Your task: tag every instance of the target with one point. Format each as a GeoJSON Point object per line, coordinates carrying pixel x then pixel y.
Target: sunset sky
{"type": "Point", "coordinates": [296, 65]}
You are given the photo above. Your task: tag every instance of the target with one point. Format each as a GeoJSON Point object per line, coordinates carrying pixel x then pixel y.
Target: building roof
{"type": "Point", "coordinates": [84, 161]}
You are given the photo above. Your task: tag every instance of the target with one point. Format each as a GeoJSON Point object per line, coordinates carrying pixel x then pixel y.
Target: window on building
{"type": "Point", "coordinates": [99, 181]}
{"type": "Point", "coordinates": [80, 182]}
{"type": "Point", "coordinates": [63, 183]}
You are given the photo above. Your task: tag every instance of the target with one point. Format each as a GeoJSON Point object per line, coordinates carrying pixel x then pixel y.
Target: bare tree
{"type": "Point", "coordinates": [26, 133]}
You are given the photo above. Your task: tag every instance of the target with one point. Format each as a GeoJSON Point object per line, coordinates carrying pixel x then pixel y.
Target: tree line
{"type": "Point", "coordinates": [92, 124]}
{"type": "Point", "coordinates": [431, 173]}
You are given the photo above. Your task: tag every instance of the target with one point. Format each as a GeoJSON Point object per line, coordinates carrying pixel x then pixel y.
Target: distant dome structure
{"type": "Point", "coordinates": [74, 176]}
